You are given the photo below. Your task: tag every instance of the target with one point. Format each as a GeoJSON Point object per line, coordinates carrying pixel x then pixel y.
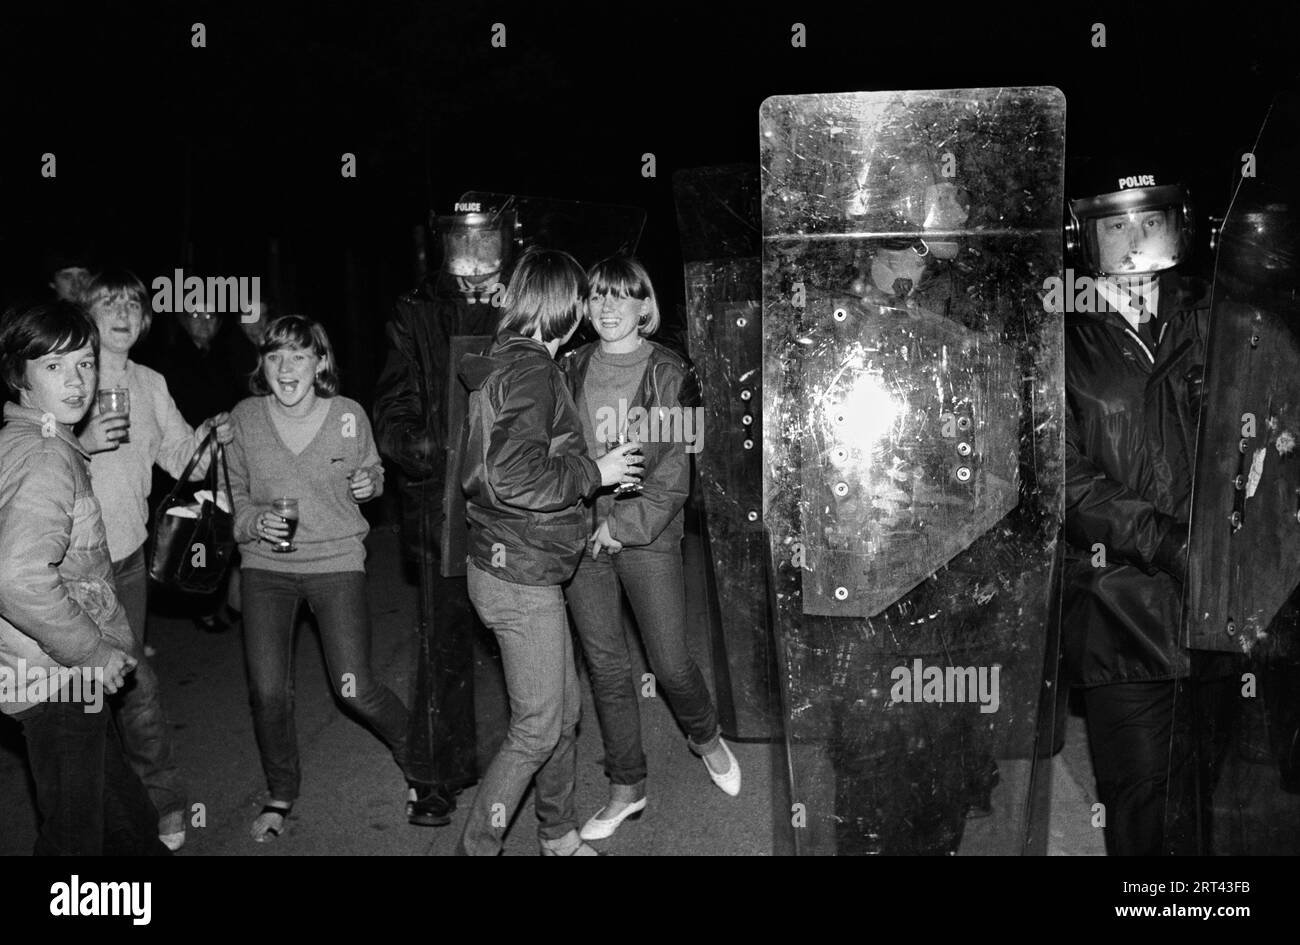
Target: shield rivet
{"type": "Point", "coordinates": [963, 449]}
{"type": "Point", "coordinates": [748, 444]}
{"type": "Point", "coordinates": [746, 420]}
{"type": "Point", "coordinates": [1231, 628]}
{"type": "Point", "coordinates": [840, 315]}
{"type": "Point", "coordinates": [745, 394]}
{"type": "Point", "coordinates": [841, 489]}
{"type": "Point", "coordinates": [841, 593]}
{"type": "Point", "coordinates": [963, 474]}
{"type": "Point", "coordinates": [742, 321]}
{"type": "Point", "coordinates": [752, 516]}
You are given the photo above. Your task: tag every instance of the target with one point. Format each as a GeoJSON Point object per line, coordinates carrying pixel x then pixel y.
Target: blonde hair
{"type": "Point", "coordinates": [625, 277]}
{"type": "Point", "coordinates": [297, 331]}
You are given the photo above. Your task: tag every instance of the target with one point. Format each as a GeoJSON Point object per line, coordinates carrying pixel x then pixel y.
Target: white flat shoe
{"type": "Point", "coordinates": [730, 781]}
{"type": "Point", "coordinates": [598, 829]}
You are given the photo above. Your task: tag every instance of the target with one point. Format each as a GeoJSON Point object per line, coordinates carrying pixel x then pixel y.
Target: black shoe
{"type": "Point", "coordinates": [429, 805]}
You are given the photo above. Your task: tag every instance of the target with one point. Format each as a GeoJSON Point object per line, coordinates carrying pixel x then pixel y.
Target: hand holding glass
{"type": "Point", "coordinates": [116, 400]}
{"type": "Point", "coordinates": [621, 460]}
{"type": "Point", "coordinates": [287, 510]}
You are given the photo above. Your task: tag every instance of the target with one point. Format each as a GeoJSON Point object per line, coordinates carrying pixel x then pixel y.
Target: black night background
{"type": "Point", "coordinates": [170, 155]}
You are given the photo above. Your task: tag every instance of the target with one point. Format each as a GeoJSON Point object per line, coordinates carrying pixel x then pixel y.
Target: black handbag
{"type": "Point", "coordinates": [192, 554]}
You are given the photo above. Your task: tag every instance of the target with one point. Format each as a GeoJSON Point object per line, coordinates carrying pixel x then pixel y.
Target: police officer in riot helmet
{"type": "Point", "coordinates": [410, 416]}
{"type": "Point", "coordinates": [922, 209]}
{"type": "Point", "coordinates": [1134, 331]}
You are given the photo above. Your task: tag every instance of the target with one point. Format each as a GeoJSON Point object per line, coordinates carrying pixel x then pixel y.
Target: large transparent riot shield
{"type": "Point", "coordinates": [1244, 548]}
{"type": "Point", "coordinates": [718, 220]}
{"type": "Point", "coordinates": [587, 231]}
{"type": "Point", "coordinates": [912, 434]}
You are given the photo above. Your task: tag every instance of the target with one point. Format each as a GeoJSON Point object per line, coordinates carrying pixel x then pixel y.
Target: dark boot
{"type": "Point", "coordinates": [429, 805]}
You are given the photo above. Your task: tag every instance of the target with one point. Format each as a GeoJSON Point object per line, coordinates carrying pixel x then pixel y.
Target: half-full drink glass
{"type": "Point", "coordinates": [287, 509]}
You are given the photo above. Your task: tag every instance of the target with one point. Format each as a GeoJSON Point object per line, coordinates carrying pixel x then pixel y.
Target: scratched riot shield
{"type": "Point", "coordinates": [1244, 548]}
{"type": "Point", "coordinates": [913, 397]}
{"type": "Point", "coordinates": [718, 220]}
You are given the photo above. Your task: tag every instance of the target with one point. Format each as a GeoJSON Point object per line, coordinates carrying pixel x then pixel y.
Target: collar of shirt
{"type": "Point", "coordinates": [1121, 298]}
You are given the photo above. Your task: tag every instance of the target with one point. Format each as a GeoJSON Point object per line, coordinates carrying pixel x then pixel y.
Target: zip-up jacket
{"type": "Point", "coordinates": [669, 392]}
{"type": "Point", "coordinates": [1130, 443]}
{"type": "Point", "coordinates": [58, 606]}
{"type": "Point", "coordinates": [525, 470]}
{"type": "Point", "coordinates": [410, 405]}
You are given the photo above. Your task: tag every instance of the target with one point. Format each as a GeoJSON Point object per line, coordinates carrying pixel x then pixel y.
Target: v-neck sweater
{"type": "Point", "coordinates": [331, 529]}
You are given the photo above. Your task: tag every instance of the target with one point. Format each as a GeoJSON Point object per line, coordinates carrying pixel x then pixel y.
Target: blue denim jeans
{"type": "Point", "coordinates": [338, 600]}
{"type": "Point", "coordinates": [542, 684]}
{"type": "Point", "coordinates": [146, 734]}
{"type": "Point", "coordinates": [652, 581]}
{"type": "Point", "coordinates": [91, 802]}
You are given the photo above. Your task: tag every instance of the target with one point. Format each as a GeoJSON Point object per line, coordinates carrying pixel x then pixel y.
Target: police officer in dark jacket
{"type": "Point", "coordinates": [410, 414]}
{"type": "Point", "coordinates": [1134, 353]}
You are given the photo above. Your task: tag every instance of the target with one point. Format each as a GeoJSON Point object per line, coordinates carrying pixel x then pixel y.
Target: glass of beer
{"type": "Point", "coordinates": [623, 488]}
{"type": "Point", "coordinates": [116, 400]}
{"type": "Point", "coordinates": [287, 509]}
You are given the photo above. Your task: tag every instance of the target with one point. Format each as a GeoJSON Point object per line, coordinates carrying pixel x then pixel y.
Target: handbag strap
{"type": "Point", "coordinates": [219, 453]}
{"type": "Point", "coordinates": [189, 468]}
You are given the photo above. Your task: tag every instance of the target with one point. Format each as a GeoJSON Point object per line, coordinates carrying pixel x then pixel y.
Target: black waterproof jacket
{"type": "Point", "coordinates": [410, 406]}
{"type": "Point", "coordinates": [1129, 457]}
{"type": "Point", "coordinates": [669, 394]}
{"type": "Point", "coordinates": [525, 470]}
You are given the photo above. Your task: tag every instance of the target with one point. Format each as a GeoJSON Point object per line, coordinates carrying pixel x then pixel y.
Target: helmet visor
{"type": "Point", "coordinates": [1133, 233]}
{"type": "Point", "coordinates": [473, 244]}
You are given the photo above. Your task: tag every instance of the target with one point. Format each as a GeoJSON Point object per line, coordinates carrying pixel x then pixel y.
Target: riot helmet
{"type": "Point", "coordinates": [1133, 217]}
{"type": "Point", "coordinates": [906, 199]}
{"type": "Point", "coordinates": [478, 243]}
{"type": "Point", "coordinates": [915, 213]}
